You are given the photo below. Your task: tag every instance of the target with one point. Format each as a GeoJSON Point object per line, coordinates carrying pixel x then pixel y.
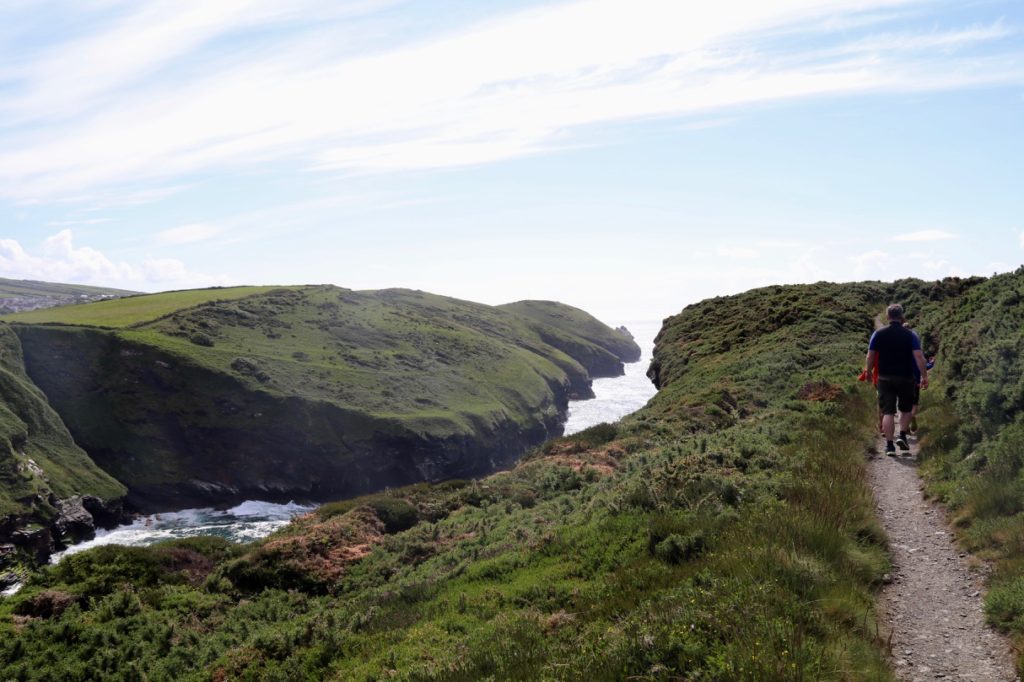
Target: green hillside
{"type": "Point", "coordinates": [559, 325]}
{"type": "Point", "coordinates": [724, 532]}
{"type": "Point", "coordinates": [39, 462]}
{"type": "Point", "coordinates": [213, 396]}
{"type": "Point", "coordinates": [28, 287]}
{"type": "Point", "coordinates": [131, 311]}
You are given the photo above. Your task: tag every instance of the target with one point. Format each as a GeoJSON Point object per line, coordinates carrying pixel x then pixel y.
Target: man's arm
{"type": "Point", "coordinates": [922, 365]}
{"type": "Point", "coordinates": [869, 362]}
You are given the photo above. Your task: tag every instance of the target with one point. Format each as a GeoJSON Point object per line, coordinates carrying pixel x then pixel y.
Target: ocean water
{"type": "Point", "coordinates": [618, 396]}
{"type": "Point", "coordinates": [252, 520]}
{"type": "Point", "coordinates": [249, 521]}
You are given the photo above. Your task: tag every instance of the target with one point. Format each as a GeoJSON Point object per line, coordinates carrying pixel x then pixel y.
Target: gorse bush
{"type": "Point", "coordinates": [973, 430]}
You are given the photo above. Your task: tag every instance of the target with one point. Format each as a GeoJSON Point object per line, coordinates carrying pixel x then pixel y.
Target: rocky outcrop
{"type": "Point", "coordinates": [54, 525]}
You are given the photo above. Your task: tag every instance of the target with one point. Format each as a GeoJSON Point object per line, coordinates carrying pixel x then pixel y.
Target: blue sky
{"type": "Point", "coordinates": [627, 157]}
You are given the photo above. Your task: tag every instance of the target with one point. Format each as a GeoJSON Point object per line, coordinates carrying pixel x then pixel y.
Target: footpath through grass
{"type": "Point", "coordinates": [724, 533]}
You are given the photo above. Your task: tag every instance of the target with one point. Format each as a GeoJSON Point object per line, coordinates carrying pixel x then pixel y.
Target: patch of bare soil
{"type": "Point", "coordinates": [933, 605]}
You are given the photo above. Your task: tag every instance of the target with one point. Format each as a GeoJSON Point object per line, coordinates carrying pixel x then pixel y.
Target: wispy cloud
{"type": "Point", "coordinates": [83, 221]}
{"type": "Point", "coordinates": [60, 260]}
{"type": "Point", "coordinates": [924, 236]}
{"type": "Point", "coordinates": [87, 113]}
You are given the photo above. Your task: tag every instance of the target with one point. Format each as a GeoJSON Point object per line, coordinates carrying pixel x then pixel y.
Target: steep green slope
{"type": "Point", "coordinates": [563, 326]}
{"type": "Point", "coordinates": [303, 391]}
{"type": "Point", "coordinates": [725, 532]}
{"type": "Point", "coordinates": [40, 465]}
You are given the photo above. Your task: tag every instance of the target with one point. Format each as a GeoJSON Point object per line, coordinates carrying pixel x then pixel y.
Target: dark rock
{"type": "Point", "coordinates": [105, 513]}
{"type": "Point", "coordinates": [7, 555]}
{"type": "Point", "coordinates": [35, 541]}
{"type": "Point", "coordinates": [8, 579]}
{"type": "Point", "coordinates": [74, 522]}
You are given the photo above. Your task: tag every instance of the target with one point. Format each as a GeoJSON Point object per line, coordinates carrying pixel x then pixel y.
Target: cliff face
{"type": "Point", "coordinates": [51, 492]}
{"type": "Point", "coordinates": [308, 393]}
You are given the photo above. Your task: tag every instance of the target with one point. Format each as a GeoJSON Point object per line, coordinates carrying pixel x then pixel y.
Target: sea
{"type": "Point", "coordinates": [615, 398]}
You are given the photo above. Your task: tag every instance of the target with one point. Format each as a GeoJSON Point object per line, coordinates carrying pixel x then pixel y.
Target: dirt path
{"type": "Point", "coordinates": [933, 604]}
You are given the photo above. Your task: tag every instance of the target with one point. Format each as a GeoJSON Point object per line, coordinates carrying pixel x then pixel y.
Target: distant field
{"type": "Point", "coordinates": [25, 287]}
{"type": "Point", "coordinates": [125, 312]}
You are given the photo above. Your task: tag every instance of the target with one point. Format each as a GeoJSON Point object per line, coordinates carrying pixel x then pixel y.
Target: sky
{"type": "Point", "coordinates": [628, 157]}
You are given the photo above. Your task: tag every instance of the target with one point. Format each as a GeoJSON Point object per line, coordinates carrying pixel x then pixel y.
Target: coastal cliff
{"type": "Point", "coordinates": [308, 392]}
{"type": "Point", "coordinates": [51, 492]}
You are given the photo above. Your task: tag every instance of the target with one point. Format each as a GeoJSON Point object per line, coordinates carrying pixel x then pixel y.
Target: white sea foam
{"type": "Point", "coordinates": [618, 396]}
{"type": "Point", "coordinates": [249, 521]}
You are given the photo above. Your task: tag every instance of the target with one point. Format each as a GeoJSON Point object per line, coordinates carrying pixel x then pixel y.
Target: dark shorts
{"type": "Point", "coordinates": [896, 392]}
{"type": "Point", "coordinates": [917, 394]}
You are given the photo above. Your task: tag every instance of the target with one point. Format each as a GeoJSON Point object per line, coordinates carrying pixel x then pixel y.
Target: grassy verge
{"type": "Point", "coordinates": [973, 435]}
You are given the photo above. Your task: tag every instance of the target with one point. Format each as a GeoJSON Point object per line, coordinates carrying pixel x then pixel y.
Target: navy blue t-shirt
{"type": "Point", "coordinates": [895, 345]}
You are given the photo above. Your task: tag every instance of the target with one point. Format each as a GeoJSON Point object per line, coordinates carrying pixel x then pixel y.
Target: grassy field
{"type": "Point", "coordinates": [28, 287]}
{"type": "Point", "coordinates": [725, 532]}
{"type": "Point", "coordinates": [132, 310]}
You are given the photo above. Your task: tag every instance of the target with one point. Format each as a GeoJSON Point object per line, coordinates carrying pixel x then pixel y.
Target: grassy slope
{"type": "Point", "coordinates": [27, 287]}
{"type": "Point", "coordinates": [31, 430]}
{"type": "Point", "coordinates": [573, 322]}
{"type": "Point", "coordinates": [972, 432]}
{"type": "Point", "coordinates": [132, 310]}
{"type": "Point", "coordinates": [391, 353]}
{"type": "Point", "coordinates": [412, 382]}
{"type": "Point", "coordinates": [724, 532]}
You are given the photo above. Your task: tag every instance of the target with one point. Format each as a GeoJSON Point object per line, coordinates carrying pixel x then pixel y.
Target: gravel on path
{"type": "Point", "coordinates": [932, 604]}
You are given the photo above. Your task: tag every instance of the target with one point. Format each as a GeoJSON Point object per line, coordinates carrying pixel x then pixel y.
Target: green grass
{"type": "Point", "coordinates": [323, 377]}
{"type": "Point", "coordinates": [972, 431]}
{"type": "Point", "coordinates": [37, 454]}
{"type": "Point", "coordinates": [132, 310]}
{"type": "Point", "coordinates": [725, 532]}
{"type": "Point", "coordinates": [26, 287]}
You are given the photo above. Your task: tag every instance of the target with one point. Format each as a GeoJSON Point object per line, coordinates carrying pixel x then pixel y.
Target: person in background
{"type": "Point", "coordinates": [895, 350]}
{"type": "Point", "coordinates": [929, 363]}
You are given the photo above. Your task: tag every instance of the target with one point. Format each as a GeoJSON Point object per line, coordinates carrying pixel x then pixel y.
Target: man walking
{"type": "Point", "coordinates": [897, 351]}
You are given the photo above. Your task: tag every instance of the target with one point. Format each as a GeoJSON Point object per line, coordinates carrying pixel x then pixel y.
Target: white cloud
{"type": "Point", "coordinates": [188, 234]}
{"type": "Point", "coordinates": [924, 236]}
{"type": "Point", "coordinates": [872, 263]}
{"type": "Point", "coordinates": [61, 261]}
{"type": "Point", "coordinates": [472, 96]}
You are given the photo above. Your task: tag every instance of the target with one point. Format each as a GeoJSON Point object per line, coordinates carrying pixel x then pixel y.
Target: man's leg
{"type": "Point", "coordinates": [888, 425]}
{"type": "Point", "coordinates": [906, 405]}
{"type": "Point", "coordinates": [887, 406]}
